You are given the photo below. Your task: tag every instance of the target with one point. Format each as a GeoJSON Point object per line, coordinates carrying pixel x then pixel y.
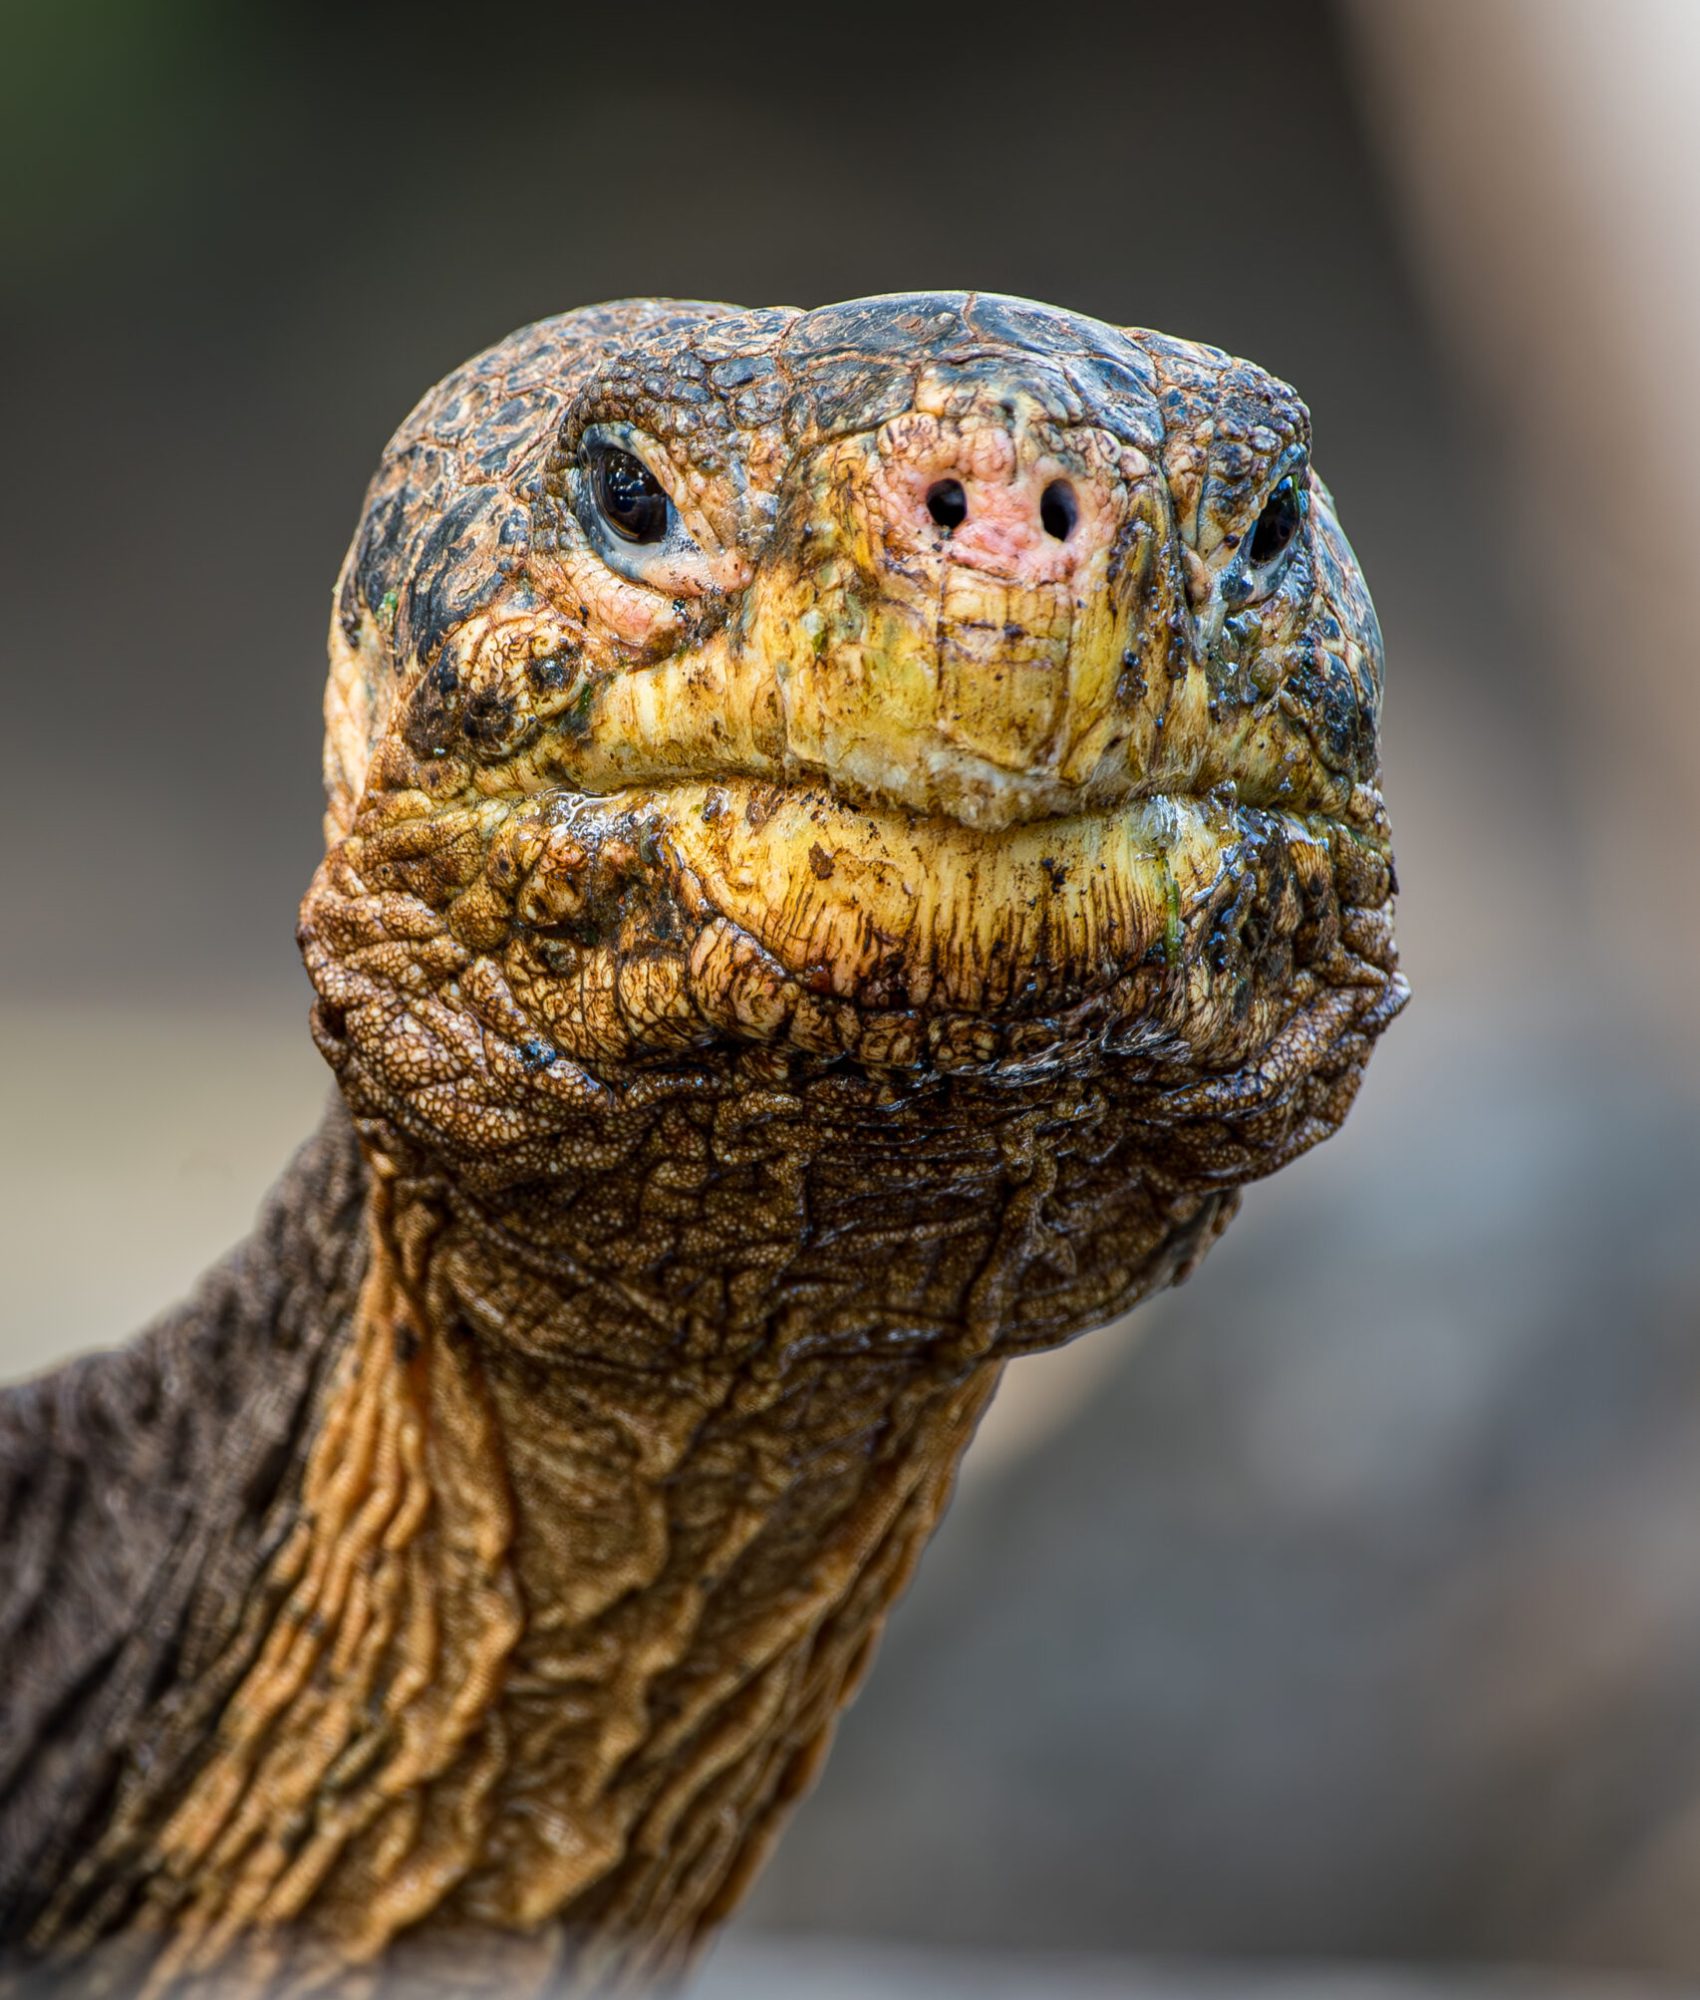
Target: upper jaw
{"type": "Point", "coordinates": [656, 731]}
{"type": "Point", "coordinates": [870, 723]}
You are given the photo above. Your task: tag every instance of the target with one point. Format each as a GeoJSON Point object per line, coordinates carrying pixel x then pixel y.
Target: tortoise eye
{"type": "Point", "coordinates": [1277, 524]}
{"type": "Point", "coordinates": [629, 497]}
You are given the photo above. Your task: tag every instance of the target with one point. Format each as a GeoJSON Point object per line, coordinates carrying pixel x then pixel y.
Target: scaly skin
{"type": "Point", "coordinates": [776, 975]}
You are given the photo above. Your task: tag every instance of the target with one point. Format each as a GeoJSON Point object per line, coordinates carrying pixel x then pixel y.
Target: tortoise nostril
{"type": "Point", "coordinates": [1058, 510]}
{"type": "Point", "coordinates": [947, 503]}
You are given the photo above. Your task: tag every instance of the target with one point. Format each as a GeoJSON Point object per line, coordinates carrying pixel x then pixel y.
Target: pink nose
{"type": "Point", "coordinates": [1034, 523]}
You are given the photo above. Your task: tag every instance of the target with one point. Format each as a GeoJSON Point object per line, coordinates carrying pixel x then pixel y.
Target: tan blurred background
{"type": "Point", "coordinates": [1349, 1616]}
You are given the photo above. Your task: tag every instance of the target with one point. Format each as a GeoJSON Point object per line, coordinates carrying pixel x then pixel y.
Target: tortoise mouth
{"type": "Point", "coordinates": [874, 904]}
{"type": "Point", "coordinates": [879, 908]}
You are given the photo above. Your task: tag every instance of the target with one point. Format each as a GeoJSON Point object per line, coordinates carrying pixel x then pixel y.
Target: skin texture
{"type": "Point", "coordinates": [773, 976]}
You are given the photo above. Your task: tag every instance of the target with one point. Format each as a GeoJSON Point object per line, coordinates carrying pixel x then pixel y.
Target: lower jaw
{"type": "Point", "coordinates": [904, 941]}
{"type": "Point", "coordinates": [864, 902]}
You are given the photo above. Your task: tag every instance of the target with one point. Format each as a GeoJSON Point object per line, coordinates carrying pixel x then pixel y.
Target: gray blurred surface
{"type": "Point", "coordinates": [832, 1969]}
{"type": "Point", "coordinates": [1350, 1611]}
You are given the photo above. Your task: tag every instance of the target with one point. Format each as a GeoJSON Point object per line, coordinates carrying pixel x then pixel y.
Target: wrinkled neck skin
{"type": "Point", "coordinates": [728, 1410]}
{"type": "Point", "coordinates": [582, 1578]}
{"type": "Point", "coordinates": [730, 1377]}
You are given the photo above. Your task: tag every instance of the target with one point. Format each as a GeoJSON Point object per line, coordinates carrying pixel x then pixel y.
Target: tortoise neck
{"type": "Point", "coordinates": [702, 1556]}
{"type": "Point", "coordinates": [552, 1645]}
{"type": "Point", "coordinates": [618, 1471]}
{"type": "Point", "coordinates": [725, 1366]}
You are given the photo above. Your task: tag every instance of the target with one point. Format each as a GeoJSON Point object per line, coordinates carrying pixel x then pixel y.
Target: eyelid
{"type": "Point", "coordinates": [1294, 460]}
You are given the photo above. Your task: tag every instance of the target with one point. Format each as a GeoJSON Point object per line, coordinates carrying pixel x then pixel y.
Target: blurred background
{"type": "Point", "coordinates": [1336, 1628]}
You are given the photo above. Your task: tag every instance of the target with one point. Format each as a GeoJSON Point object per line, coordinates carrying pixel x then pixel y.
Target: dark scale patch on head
{"type": "Point", "coordinates": [349, 610]}
{"type": "Point", "coordinates": [683, 389]}
{"type": "Point", "coordinates": [1190, 364]}
{"type": "Point", "coordinates": [755, 408]}
{"type": "Point", "coordinates": [741, 333]}
{"type": "Point", "coordinates": [843, 394]}
{"type": "Point", "coordinates": [513, 543]}
{"type": "Point", "coordinates": [454, 412]}
{"type": "Point", "coordinates": [433, 709]}
{"type": "Point", "coordinates": [1036, 329]}
{"type": "Point", "coordinates": [922, 327]}
{"type": "Point", "coordinates": [552, 673]}
{"type": "Point", "coordinates": [1304, 676]}
{"type": "Point", "coordinates": [383, 552]}
{"type": "Point", "coordinates": [451, 572]}
{"type": "Point", "coordinates": [491, 721]}
{"type": "Point", "coordinates": [740, 373]}
{"type": "Point", "coordinates": [1320, 693]}
{"type": "Point", "coordinates": [495, 460]}
{"type": "Point", "coordinates": [1121, 402]}
{"type": "Point", "coordinates": [752, 385]}
{"type": "Point", "coordinates": [1337, 740]}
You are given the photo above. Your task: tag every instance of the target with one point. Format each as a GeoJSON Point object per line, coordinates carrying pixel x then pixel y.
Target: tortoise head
{"type": "Point", "coordinates": [937, 685]}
